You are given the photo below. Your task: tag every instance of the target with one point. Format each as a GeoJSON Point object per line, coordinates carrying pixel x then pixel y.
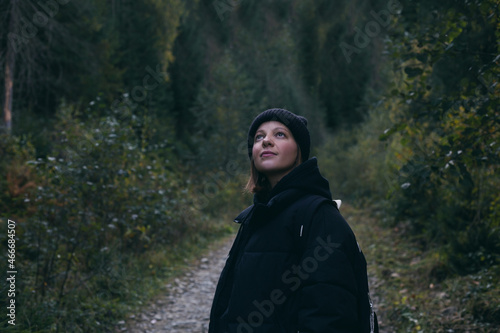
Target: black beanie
{"type": "Point", "coordinates": [296, 124]}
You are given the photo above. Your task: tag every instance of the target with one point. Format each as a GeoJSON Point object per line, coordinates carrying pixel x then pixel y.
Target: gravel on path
{"type": "Point", "coordinates": [186, 306]}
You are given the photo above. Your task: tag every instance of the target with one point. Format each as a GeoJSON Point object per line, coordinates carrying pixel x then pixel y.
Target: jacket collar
{"type": "Point", "coordinates": [244, 215]}
{"type": "Point", "coordinates": [303, 180]}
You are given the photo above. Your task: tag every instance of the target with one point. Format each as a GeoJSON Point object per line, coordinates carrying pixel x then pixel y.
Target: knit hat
{"type": "Point", "coordinates": [296, 124]}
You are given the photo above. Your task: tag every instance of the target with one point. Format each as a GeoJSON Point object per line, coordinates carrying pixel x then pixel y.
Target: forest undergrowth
{"type": "Point", "coordinates": [415, 289]}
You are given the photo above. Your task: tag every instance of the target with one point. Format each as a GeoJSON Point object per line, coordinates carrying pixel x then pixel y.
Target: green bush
{"type": "Point", "coordinates": [441, 153]}
{"type": "Point", "coordinates": [103, 197]}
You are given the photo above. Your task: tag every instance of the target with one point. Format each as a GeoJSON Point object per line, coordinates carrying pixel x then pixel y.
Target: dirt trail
{"type": "Point", "coordinates": [186, 308]}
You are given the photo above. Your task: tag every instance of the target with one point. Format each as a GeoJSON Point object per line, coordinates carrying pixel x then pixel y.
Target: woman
{"type": "Point", "coordinates": [295, 265]}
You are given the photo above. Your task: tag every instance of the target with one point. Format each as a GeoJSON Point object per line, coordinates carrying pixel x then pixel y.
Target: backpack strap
{"type": "Point", "coordinates": [305, 212]}
{"type": "Point", "coordinates": [306, 209]}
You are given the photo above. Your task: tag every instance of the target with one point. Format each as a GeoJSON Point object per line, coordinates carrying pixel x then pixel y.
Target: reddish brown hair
{"type": "Point", "coordinates": [258, 183]}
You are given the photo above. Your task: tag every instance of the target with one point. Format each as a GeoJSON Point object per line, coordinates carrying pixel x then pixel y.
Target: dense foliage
{"type": "Point", "coordinates": [428, 152]}
{"type": "Point", "coordinates": [441, 128]}
{"type": "Point", "coordinates": [450, 128]}
{"type": "Point", "coordinates": [130, 120]}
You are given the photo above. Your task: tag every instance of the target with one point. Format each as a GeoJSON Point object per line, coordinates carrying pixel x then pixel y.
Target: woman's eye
{"type": "Point", "coordinates": [258, 137]}
{"type": "Point", "coordinates": [280, 135]}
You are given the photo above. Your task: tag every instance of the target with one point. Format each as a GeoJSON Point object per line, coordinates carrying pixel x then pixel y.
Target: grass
{"type": "Point", "coordinates": [162, 266]}
{"type": "Point", "coordinates": [130, 283]}
{"type": "Point", "coordinates": [415, 290]}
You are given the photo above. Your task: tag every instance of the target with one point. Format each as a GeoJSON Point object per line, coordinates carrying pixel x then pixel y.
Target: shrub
{"type": "Point", "coordinates": [103, 196]}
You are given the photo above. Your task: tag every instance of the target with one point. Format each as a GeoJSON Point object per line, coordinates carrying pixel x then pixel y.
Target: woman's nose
{"type": "Point", "coordinates": [266, 142]}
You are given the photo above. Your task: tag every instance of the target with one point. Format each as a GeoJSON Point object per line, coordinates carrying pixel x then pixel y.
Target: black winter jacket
{"type": "Point", "coordinates": [292, 269]}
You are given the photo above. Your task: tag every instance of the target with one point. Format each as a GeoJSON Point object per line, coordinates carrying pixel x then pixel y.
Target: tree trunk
{"type": "Point", "coordinates": [10, 63]}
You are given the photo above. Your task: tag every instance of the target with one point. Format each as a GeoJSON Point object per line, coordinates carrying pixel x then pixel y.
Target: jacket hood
{"type": "Point", "coordinates": [302, 180]}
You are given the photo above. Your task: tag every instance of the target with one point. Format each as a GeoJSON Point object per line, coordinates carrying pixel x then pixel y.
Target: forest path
{"type": "Point", "coordinates": [186, 307]}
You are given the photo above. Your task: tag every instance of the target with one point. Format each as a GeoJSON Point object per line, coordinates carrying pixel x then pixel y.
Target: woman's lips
{"type": "Point", "coordinates": [267, 154]}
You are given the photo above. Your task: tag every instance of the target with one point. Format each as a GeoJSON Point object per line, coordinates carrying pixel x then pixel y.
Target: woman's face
{"type": "Point", "coordinates": [274, 150]}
